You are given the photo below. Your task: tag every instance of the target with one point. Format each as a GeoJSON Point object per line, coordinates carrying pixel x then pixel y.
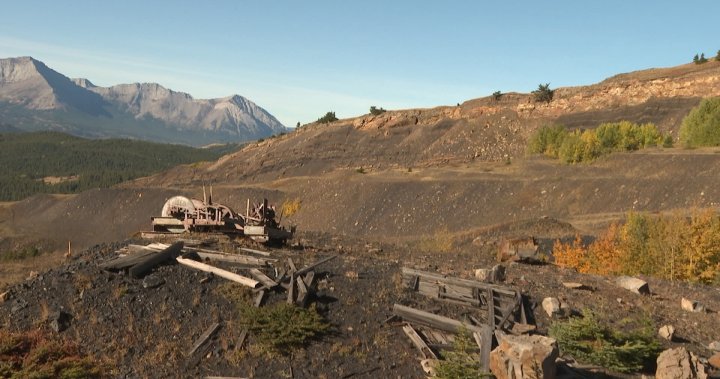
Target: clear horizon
{"type": "Point", "coordinates": [299, 61]}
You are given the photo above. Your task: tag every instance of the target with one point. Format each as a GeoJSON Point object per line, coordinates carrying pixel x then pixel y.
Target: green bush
{"type": "Point", "coordinates": [583, 146]}
{"type": "Point", "coordinates": [376, 111]}
{"type": "Point", "coordinates": [329, 117]}
{"type": "Point", "coordinates": [497, 95]}
{"type": "Point", "coordinates": [589, 341]}
{"type": "Point", "coordinates": [543, 94]}
{"type": "Point", "coordinates": [461, 362]}
{"type": "Point", "coordinates": [282, 327]}
{"type": "Point", "coordinates": [701, 127]}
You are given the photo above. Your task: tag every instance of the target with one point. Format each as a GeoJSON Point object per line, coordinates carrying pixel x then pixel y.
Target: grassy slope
{"type": "Point", "coordinates": [27, 158]}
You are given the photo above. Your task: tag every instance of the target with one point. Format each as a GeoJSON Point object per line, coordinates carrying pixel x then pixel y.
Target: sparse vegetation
{"type": "Point", "coordinates": [328, 118]}
{"type": "Point", "coordinates": [34, 355]}
{"type": "Point", "coordinates": [462, 362]}
{"type": "Point", "coordinates": [84, 163]}
{"type": "Point", "coordinates": [701, 127]}
{"type": "Point", "coordinates": [20, 254]}
{"type": "Point", "coordinates": [670, 247]}
{"type": "Point", "coordinates": [717, 57]}
{"type": "Point", "coordinates": [360, 170]}
{"type": "Point", "coordinates": [283, 327]}
{"type": "Point", "coordinates": [376, 111]}
{"type": "Point", "coordinates": [290, 207]}
{"type": "Point", "coordinates": [440, 242]}
{"type": "Point", "coordinates": [543, 93]}
{"type": "Point", "coordinates": [590, 341]}
{"type": "Point", "coordinates": [497, 95]}
{"type": "Point", "coordinates": [587, 145]}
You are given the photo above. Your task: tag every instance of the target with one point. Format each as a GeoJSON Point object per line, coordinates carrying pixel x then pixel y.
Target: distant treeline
{"type": "Point", "coordinates": [79, 164]}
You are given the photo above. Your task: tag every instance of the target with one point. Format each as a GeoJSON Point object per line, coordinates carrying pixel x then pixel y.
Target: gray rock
{"type": "Point", "coordinates": [714, 346]}
{"type": "Point", "coordinates": [692, 305]}
{"type": "Point", "coordinates": [678, 363]}
{"type": "Point", "coordinates": [152, 281]}
{"type": "Point", "coordinates": [59, 321]}
{"type": "Point", "coordinates": [633, 284]}
{"type": "Point", "coordinates": [524, 357]}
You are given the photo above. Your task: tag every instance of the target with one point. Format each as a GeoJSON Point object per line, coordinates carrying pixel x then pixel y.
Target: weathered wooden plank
{"type": "Point", "coordinates": [262, 278]}
{"type": "Point", "coordinates": [435, 321]}
{"type": "Point", "coordinates": [302, 295]}
{"type": "Point", "coordinates": [311, 267]}
{"type": "Point", "coordinates": [219, 272]}
{"type": "Point", "coordinates": [410, 273]}
{"type": "Point", "coordinates": [234, 258]}
{"type": "Point", "coordinates": [203, 338]}
{"type": "Point", "coordinates": [120, 263]}
{"type": "Point", "coordinates": [491, 308]}
{"type": "Point", "coordinates": [259, 298]}
{"type": "Point", "coordinates": [149, 262]}
{"type": "Point", "coordinates": [241, 339]}
{"type": "Point", "coordinates": [291, 264]}
{"type": "Point", "coordinates": [291, 289]}
{"type": "Point", "coordinates": [309, 279]}
{"type": "Point", "coordinates": [419, 343]}
{"type": "Point", "coordinates": [253, 251]}
{"type": "Point", "coordinates": [485, 348]}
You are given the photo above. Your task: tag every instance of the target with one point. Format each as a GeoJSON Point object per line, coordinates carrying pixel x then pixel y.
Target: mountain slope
{"type": "Point", "coordinates": [35, 97]}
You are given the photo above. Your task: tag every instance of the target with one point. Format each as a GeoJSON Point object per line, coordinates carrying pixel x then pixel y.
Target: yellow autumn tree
{"type": "Point", "coordinates": [571, 254]}
{"type": "Point", "coordinates": [604, 256]}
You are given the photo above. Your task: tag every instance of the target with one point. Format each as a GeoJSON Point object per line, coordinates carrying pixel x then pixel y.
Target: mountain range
{"type": "Point", "coordinates": [36, 97]}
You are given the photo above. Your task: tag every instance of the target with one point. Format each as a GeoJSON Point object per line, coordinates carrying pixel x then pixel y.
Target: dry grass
{"type": "Point", "coordinates": [290, 207]}
{"type": "Point", "coordinates": [440, 242]}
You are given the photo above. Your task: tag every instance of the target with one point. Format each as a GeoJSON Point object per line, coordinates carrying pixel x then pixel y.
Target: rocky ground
{"type": "Point", "coordinates": [145, 327]}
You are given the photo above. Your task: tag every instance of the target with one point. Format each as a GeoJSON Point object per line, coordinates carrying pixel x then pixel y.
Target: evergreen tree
{"type": "Point", "coordinates": [696, 59]}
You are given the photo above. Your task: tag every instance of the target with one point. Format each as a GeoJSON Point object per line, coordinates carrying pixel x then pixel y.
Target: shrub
{"type": "Point", "coordinates": [547, 140]}
{"type": "Point", "coordinates": [328, 118]}
{"type": "Point", "coordinates": [376, 111]}
{"type": "Point", "coordinates": [589, 341]}
{"type": "Point", "coordinates": [461, 362]}
{"type": "Point", "coordinates": [696, 59]}
{"type": "Point", "coordinates": [290, 207]}
{"type": "Point", "coordinates": [282, 327]}
{"type": "Point", "coordinates": [701, 127]}
{"type": "Point", "coordinates": [702, 59]}
{"type": "Point", "coordinates": [543, 93]}
{"type": "Point", "coordinates": [497, 95]}
{"type": "Point", "coordinates": [717, 57]}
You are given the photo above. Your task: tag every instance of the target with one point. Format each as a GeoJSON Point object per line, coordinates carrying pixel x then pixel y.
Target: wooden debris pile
{"type": "Point", "coordinates": [491, 307]}
{"type": "Point", "coordinates": [256, 269]}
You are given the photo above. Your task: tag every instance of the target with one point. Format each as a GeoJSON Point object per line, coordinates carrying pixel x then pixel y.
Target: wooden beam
{"type": "Point", "coordinates": [410, 273]}
{"type": "Point", "coordinates": [291, 290]}
{"type": "Point", "coordinates": [219, 272]}
{"type": "Point", "coordinates": [253, 251]}
{"type": "Point", "coordinates": [435, 321]}
{"type": "Point", "coordinates": [234, 258]}
{"type": "Point", "coordinates": [309, 268]}
{"type": "Point", "coordinates": [204, 337]}
{"type": "Point", "coordinates": [262, 278]}
{"type": "Point", "coordinates": [419, 343]}
{"type": "Point", "coordinates": [241, 339]}
{"type": "Point", "coordinates": [149, 262]}
{"type": "Point", "coordinates": [291, 264]}
{"type": "Point", "coordinates": [309, 279]}
{"type": "Point", "coordinates": [302, 295]}
{"type": "Point", "coordinates": [259, 298]}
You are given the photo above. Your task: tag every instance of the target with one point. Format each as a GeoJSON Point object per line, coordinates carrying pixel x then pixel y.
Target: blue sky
{"type": "Point", "coordinates": [299, 59]}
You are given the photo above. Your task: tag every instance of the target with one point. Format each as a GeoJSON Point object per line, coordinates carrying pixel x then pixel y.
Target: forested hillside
{"type": "Point", "coordinates": [51, 162]}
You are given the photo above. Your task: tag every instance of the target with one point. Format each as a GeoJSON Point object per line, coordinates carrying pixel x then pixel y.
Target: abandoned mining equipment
{"type": "Point", "coordinates": [181, 214]}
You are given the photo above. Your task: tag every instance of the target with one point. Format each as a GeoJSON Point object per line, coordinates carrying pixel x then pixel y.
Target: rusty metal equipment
{"type": "Point", "coordinates": [181, 214]}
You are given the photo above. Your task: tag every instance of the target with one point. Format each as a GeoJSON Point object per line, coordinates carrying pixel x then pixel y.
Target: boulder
{"type": "Point", "coordinates": [519, 250]}
{"type": "Point", "coordinates": [714, 360]}
{"type": "Point", "coordinates": [528, 357]}
{"type": "Point", "coordinates": [551, 305]}
{"type": "Point", "coordinates": [691, 305]}
{"type": "Point", "coordinates": [667, 332]}
{"type": "Point", "coordinates": [633, 284]}
{"type": "Point", "coordinates": [4, 296]}
{"type": "Point", "coordinates": [678, 363]}
{"type": "Point", "coordinates": [714, 346]}
{"type": "Point", "coordinates": [59, 321]}
{"type": "Point", "coordinates": [152, 281]}
{"type": "Point", "coordinates": [493, 275]}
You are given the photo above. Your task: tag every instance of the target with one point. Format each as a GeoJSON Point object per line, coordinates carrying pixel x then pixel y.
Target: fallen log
{"type": "Point", "coordinates": [204, 337]}
{"type": "Point", "coordinates": [253, 251]}
{"type": "Point", "coordinates": [150, 261]}
{"type": "Point", "coordinates": [219, 272]}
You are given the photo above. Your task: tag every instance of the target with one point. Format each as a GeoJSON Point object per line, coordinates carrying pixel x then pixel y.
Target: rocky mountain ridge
{"type": "Point", "coordinates": [33, 95]}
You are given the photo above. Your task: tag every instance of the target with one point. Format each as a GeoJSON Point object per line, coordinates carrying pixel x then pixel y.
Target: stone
{"type": "Point", "coordinates": [636, 285]}
{"type": "Point", "coordinates": [678, 363]}
{"type": "Point", "coordinates": [4, 296]}
{"type": "Point", "coordinates": [714, 346]}
{"type": "Point", "coordinates": [528, 357]}
{"type": "Point", "coordinates": [667, 332]}
{"type": "Point", "coordinates": [551, 305]}
{"type": "Point", "coordinates": [152, 281]}
{"type": "Point", "coordinates": [574, 285]}
{"type": "Point", "coordinates": [714, 360]}
{"type": "Point", "coordinates": [59, 321]}
{"type": "Point", "coordinates": [691, 305]}
{"type": "Point", "coordinates": [519, 250]}
{"type": "Point", "coordinates": [493, 275]}
{"type": "Point", "coordinates": [428, 365]}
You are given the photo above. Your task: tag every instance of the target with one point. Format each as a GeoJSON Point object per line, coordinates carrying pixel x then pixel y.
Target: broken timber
{"type": "Point", "coordinates": [144, 260]}
{"type": "Point", "coordinates": [235, 258]}
{"type": "Point", "coordinates": [419, 342]}
{"type": "Point", "coordinates": [219, 272]}
{"type": "Point", "coordinates": [504, 305]}
{"type": "Point", "coordinates": [262, 278]}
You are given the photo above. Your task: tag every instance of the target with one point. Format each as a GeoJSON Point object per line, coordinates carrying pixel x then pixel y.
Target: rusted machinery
{"type": "Point", "coordinates": [181, 214]}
